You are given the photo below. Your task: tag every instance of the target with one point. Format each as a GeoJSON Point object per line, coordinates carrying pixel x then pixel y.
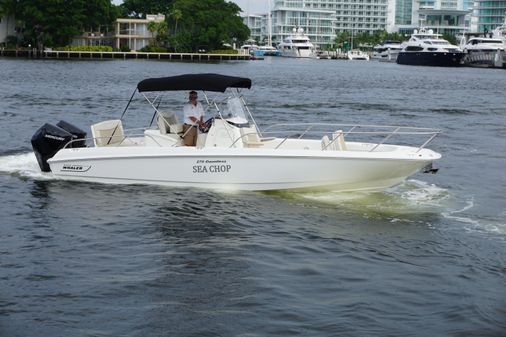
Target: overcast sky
{"type": "Point", "coordinates": [252, 6]}
{"type": "Point", "coordinates": [248, 6]}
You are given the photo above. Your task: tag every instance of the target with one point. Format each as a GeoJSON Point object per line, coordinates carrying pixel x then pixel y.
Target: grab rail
{"type": "Point", "coordinates": [388, 131]}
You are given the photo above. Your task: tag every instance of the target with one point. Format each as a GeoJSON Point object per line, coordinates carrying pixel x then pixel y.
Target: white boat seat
{"type": "Point", "coordinates": [250, 137]}
{"type": "Point", "coordinates": [108, 133]}
{"type": "Point", "coordinates": [338, 141]}
{"type": "Point", "coordinates": [168, 123]}
{"type": "Point", "coordinates": [325, 143]}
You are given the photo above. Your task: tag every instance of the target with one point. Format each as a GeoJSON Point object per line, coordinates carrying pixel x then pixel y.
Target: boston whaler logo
{"type": "Point", "coordinates": [75, 168]}
{"type": "Point", "coordinates": [211, 166]}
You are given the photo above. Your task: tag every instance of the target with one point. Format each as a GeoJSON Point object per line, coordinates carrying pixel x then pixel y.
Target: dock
{"type": "Point", "coordinates": [93, 55]}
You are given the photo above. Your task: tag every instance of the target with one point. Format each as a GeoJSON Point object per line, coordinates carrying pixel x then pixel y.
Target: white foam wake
{"type": "Point", "coordinates": [412, 196]}
{"type": "Point", "coordinates": [24, 165]}
{"type": "Point", "coordinates": [472, 224]}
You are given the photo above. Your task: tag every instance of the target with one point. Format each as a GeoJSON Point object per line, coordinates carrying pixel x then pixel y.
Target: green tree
{"type": "Point", "coordinates": [139, 8]}
{"type": "Point", "coordinates": [176, 15]}
{"type": "Point", "coordinates": [55, 22]}
{"type": "Point", "coordinates": [152, 27]}
{"type": "Point", "coordinates": [342, 40]}
{"type": "Point", "coordinates": [207, 23]}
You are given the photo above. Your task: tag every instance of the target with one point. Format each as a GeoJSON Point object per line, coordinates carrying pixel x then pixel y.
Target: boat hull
{"type": "Point", "coordinates": [436, 59]}
{"type": "Point", "coordinates": [239, 169]}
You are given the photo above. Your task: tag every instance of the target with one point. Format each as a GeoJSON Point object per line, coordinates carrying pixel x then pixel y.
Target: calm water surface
{"type": "Point", "coordinates": [426, 258]}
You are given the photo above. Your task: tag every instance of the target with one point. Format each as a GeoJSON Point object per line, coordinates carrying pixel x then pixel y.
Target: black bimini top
{"type": "Point", "coordinates": [206, 82]}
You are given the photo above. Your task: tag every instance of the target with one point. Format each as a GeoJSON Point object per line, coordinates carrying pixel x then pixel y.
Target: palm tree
{"type": "Point", "coordinates": [153, 27]}
{"type": "Point", "coordinates": [177, 15]}
{"type": "Point", "coordinates": [161, 31]}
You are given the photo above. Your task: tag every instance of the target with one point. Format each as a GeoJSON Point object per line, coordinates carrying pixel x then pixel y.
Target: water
{"type": "Point", "coordinates": [426, 258]}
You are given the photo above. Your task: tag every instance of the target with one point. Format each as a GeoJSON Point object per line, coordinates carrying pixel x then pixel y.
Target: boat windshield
{"type": "Point", "coordinates": [234, 111]}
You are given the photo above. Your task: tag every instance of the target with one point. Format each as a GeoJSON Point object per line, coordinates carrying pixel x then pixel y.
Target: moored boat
{"type": "Point", "coordinates": [297, 45]}
{"type": "Point", "coordinates": [425, 48]}
{"type": "Point", "coordinates": [356, 54]}
{"type": "Point", "coordinates": [387, 51]}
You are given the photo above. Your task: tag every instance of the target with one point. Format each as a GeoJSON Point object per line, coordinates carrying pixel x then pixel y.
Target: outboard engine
{"type": "Point", "coordinates": [76, 134]}
{"type": "Point", "coordinates": [49, 139]}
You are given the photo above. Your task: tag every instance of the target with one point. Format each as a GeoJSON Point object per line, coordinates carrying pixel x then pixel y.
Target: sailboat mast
{"type": "Point", "coordinates": [269, 23]}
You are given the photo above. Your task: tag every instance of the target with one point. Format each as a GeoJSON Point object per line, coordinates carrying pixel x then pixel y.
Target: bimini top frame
{"type": "Point", "coordinates": [201, 82]}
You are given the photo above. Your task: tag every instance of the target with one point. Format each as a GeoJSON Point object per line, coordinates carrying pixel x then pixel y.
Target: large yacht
{"type": "Point", "coordinates": [483, 51]}
{"type": "Point", "coordinates": [426, 48]}
{"type": "Point", "coordinates": [387, 51]}
{"type": "Point", "coordinates": [297, 45]}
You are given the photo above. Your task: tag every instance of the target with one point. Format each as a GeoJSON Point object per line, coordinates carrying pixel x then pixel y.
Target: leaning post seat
{"type": "Point", "coordinates": [168, 123]}
{"type": "Point", "coordinates": [108, 133]}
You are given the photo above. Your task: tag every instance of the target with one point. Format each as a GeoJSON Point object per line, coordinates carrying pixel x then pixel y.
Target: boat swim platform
{"type": "Point", "coordinates": [94, 55]}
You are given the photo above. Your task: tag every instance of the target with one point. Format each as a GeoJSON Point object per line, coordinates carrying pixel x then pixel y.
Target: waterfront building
{"type": "Point", "coordinates": [134, 33]}
{"type": "Point", "coordinates": [320, 19]}
{"type": "Point", "coordinates": [442, 16]}
{"type": "Point", "coordinates": [126, 33]}
{"type": "Point", "coordinates": [488, 15]}
{"type": "Point", "coordinates": [256, 26]}
{"type": "Point", "coordinates": [316, 17]}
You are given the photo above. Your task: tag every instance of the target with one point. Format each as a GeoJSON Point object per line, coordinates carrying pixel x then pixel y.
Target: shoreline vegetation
{"type": "Point", "coordinates": [188, 24]}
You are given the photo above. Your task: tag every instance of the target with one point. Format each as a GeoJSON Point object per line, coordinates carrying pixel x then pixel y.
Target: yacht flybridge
{"type": "Point", "coordinates": [233, 154]}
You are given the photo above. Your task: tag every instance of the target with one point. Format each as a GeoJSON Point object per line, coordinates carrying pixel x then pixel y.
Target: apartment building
{"type": "Point", "coordinates": [321, 19]}
{"type": "Point", "coordinates": [126, 33]}
{"type": "Point", "coordinates": [134, 33]}
{"type": "Point", "coordinates": [318, 24]}
{"type": "Point", "coordinates": [442, 16]}
{"type": "Point", "coordinates": [256, 26]}
{"type": "Point", "coordinates": [488, 14]}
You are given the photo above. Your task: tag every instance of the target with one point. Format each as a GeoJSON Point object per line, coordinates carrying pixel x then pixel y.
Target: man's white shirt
{"type": "Point", "coordinates": [190, 110]}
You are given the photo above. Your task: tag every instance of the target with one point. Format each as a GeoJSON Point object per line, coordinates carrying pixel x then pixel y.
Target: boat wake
{"type": "Point", "coordinates": [409, 198]}
{"type": "Point", "coordinates": [23, 165]}
{"type": "Point", "coordinates": [412, 196]}
{"type": "Point", "coordinates": [488, 225]}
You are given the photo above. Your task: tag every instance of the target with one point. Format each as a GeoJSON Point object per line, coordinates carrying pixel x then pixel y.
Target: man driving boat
{"type": "Point", "coordinates": [193, 118]}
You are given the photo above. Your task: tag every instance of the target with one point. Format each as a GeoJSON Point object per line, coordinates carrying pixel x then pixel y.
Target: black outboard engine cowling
{"type": "Point", "coordinates": [76, 134]}
{"type": "Point", "coordinates": [48, 140]}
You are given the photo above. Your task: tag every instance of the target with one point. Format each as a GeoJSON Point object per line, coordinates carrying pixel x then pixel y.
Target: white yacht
{"type": "Point", "coordinates": [425, 48]}
{"type": "Point", "coordinates": [297, 45]}
{"type": "Point", "coordinates": [231, 152]}
{"type": "Point", "coordinates": [483, 51]}
{"type": "Point", "coordinates": [356, 54]}
{"type": "Point", "coordinates": [387, 51]}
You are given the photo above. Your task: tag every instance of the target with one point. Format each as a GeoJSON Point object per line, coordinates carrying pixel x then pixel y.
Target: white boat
{"type": "Point", "coordinates": [387, 51]}
{"type": "Point", "coordinates": [356, 54]}
{"type": "Point", "coordinates": [426, 48]}
{"type": "Point", "coordinates": [267, 51]}
{"type": "Point", "coordinates": [234, 154]}
{"type": "Point", "coordinates": [297, 45]}
{"type": "Point", "coordinates": [248, 49]}
{"type": "Point", "coordinates": [483, 51]}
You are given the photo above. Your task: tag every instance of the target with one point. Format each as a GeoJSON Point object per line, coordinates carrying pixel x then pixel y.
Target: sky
{"type": "Point", "coordinates": [248, 6]}
{"type": "Point", "coordinates": [252, 6]}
